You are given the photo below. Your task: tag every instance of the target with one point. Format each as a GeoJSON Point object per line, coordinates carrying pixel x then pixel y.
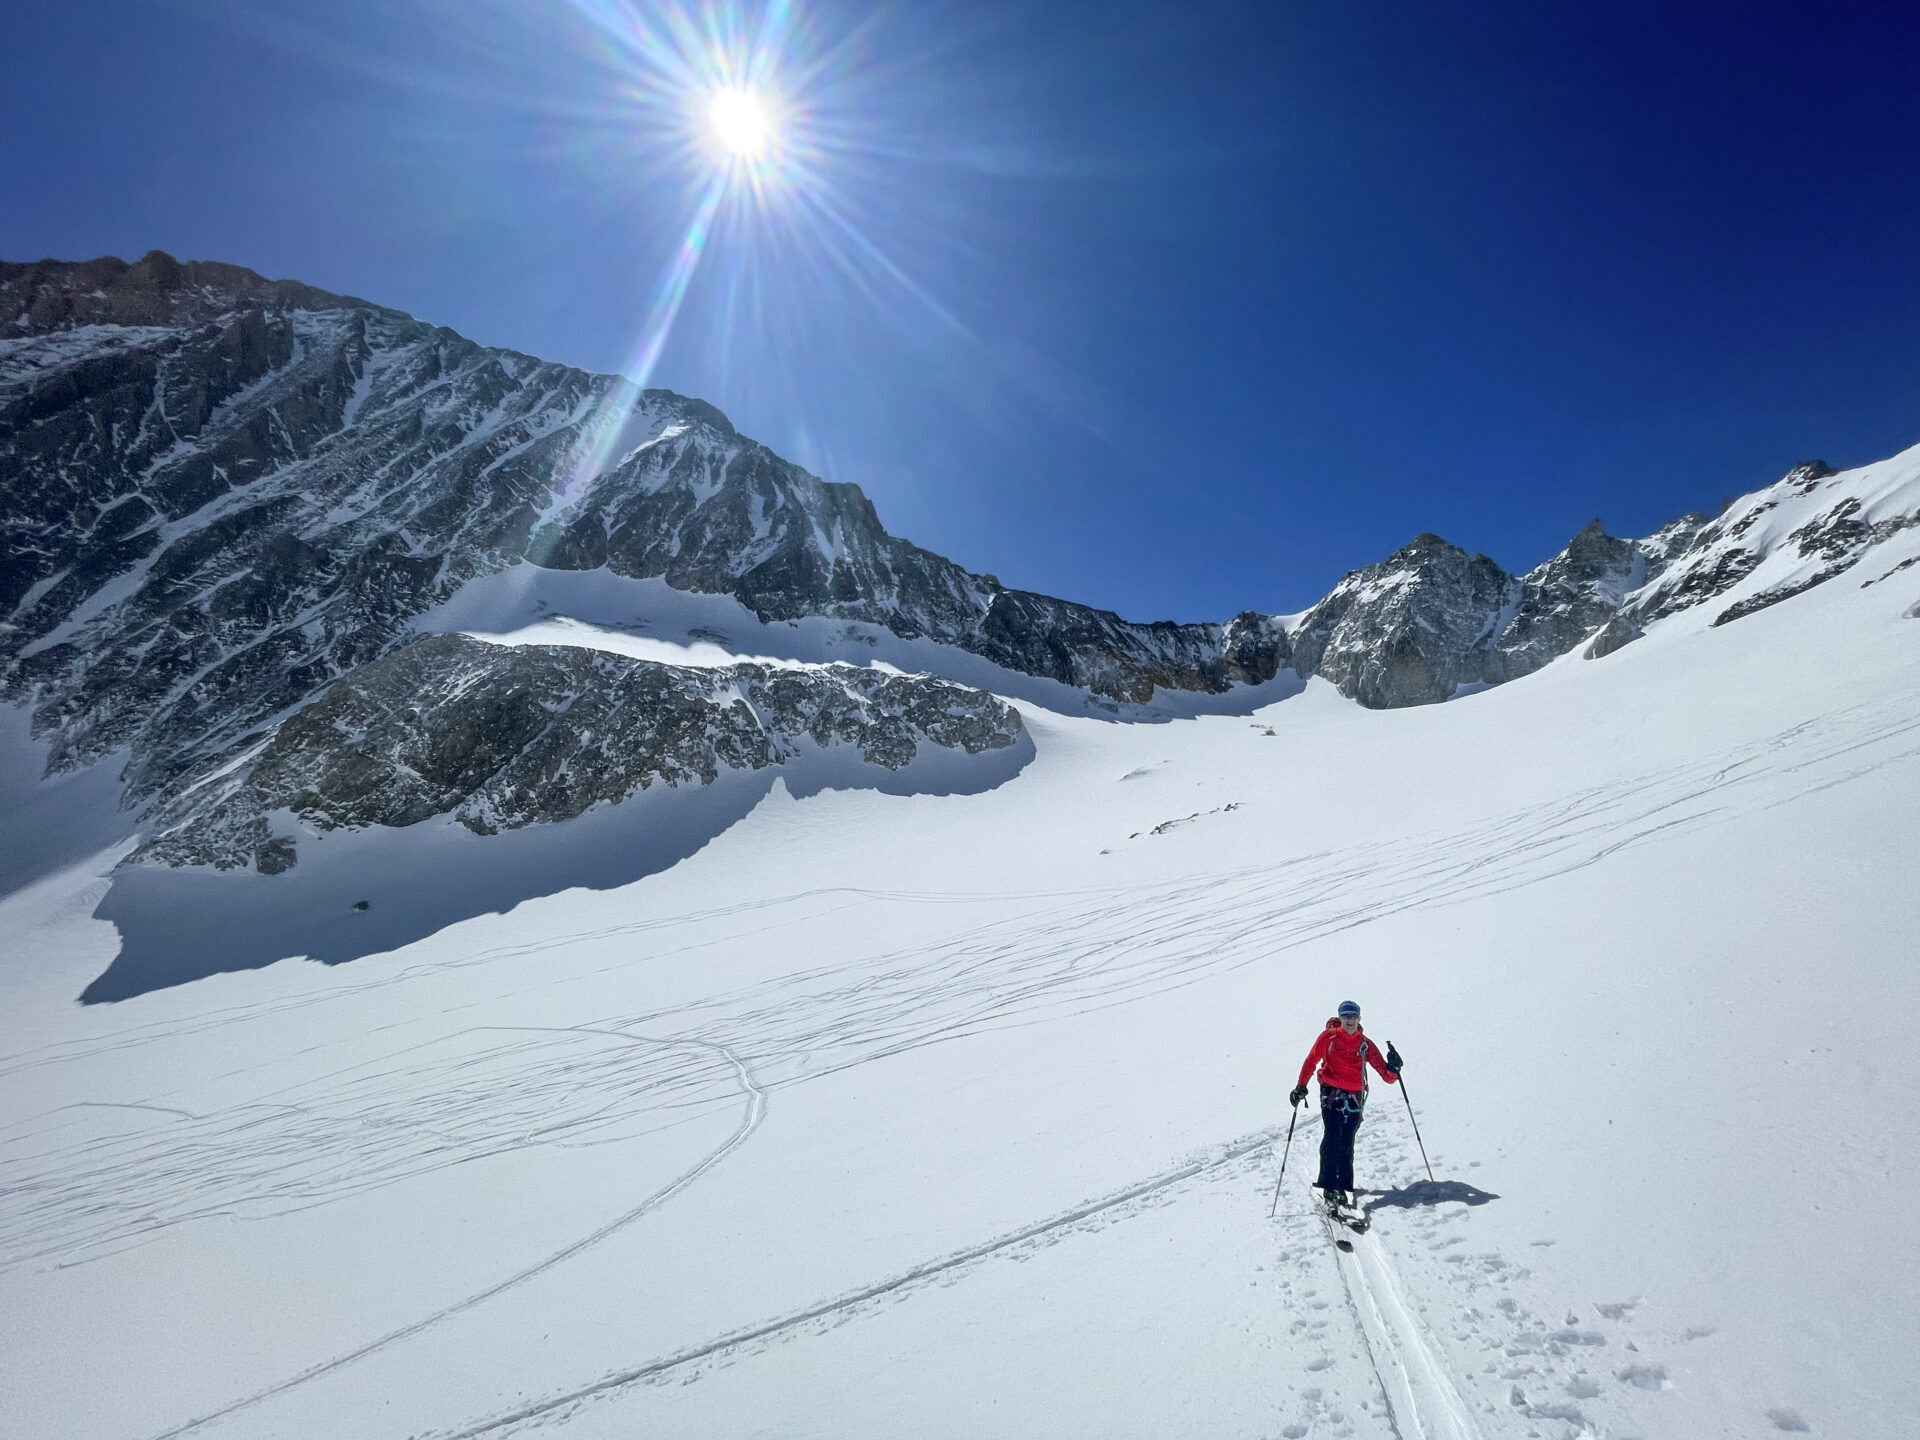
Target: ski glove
{"type": "Point", "coordinates": [1299, 1094]}
{"type": "Point", "coordinates": [1393, 1060]}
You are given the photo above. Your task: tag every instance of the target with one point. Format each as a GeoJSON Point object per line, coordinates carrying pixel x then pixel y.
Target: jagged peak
{"type": "Point", "coordinates": [1692, 520]}
{"type": "Point", "coordinates": [1808, 471]}
{"type": "Point", "coordinates": [695, 411]}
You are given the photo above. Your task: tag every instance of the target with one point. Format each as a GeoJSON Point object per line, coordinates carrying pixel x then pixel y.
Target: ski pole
{"type": "Point", "coordinates": [1274, 1209]}
{"type": "Point", "coordinates": [1416, 1124]}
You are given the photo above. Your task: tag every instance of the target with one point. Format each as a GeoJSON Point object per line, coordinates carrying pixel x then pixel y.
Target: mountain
{"type": "Point", "coordinates": [222, 497]}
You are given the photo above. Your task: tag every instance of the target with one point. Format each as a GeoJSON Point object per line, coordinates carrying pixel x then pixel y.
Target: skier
{"type": "Point", "coordinates": [1339, 1054]}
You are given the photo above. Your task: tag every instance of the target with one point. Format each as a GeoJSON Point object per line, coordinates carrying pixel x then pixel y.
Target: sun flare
{"type": "Point", "coordinates": [740, 122]}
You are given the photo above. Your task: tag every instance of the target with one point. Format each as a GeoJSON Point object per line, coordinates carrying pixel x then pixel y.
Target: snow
{"type": "Point", "coordinates": [884, 1114]}
{"type": "Point", "coordinates": [1765, 522]}
{"type": "Point", "coordinates": [527, 604]}
{"type": "Point", "coordinates": [623, 432]}
{"type": "Point", "coordinates": [363, 383]}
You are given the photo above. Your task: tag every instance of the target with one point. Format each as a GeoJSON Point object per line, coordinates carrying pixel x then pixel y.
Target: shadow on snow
{"type": "Point", "coordinates": [1426, 1192]}
{"type": "Point", "coordinates": [364, 892]}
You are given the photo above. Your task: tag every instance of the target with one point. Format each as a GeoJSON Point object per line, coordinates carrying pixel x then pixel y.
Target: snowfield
{"type": "Point", "coordinates": [960, 1115]}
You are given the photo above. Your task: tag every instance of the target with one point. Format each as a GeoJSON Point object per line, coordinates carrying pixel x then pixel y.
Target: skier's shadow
{"type": "Point", "coordinates": [1426, 1192]}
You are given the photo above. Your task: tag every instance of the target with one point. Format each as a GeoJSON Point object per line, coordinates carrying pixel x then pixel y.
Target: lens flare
{"type": "Point", "coordinates": [601, 435]}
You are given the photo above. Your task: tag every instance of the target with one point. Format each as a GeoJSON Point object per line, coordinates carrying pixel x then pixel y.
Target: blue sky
{"type": "Point", "coordinates": [1180, 309]}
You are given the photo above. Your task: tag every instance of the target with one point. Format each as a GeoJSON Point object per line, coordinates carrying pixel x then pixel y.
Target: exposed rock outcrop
{"type": "Point", "coordinates": [1564, 601]}
{"type": "Point", "coordinates": [504, 736]}
{"type": "Point", "coordinates": [1800, 530]}
{"type": "Point", "coordinates": [1410, 630]}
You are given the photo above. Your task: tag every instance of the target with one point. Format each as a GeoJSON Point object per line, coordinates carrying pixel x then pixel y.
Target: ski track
{"type": "Point", "coordinates": [1115, 1205]}
{"type": "Point", "coordinates": [1419, 1400]}
{"type": "Point", "coordinates": [1422, 1403]}
{"type": "Point", "coordinates": [490, 1089]}
{"type": "Point", "coordinates": [750, 1121]}
{"type": "Point", "coordinates": [1418, 1277]}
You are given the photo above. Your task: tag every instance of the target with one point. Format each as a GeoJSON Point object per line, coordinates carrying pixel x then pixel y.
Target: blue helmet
{"type": "Point", "coordinates": [1350, 1007]}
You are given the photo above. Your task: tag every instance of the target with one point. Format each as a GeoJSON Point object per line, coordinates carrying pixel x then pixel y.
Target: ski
{"type": "Point", "coordinates": [1338, 1221]}
{"type": "Point", "coordinates": [1333, 1228]}
{"type": "Point", "coordinates": [1346, 1216]}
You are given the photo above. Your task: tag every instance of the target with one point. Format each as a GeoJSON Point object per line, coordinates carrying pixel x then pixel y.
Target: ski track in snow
{"type": "Point", "coordinates": [1428, 1389]}
{"type": "Point", "coordinates": [749, 1122]}
{"type": "Point", "coordinates": [1419, 1400]}
{"type": "Point", "coordinates": [1088, 1215]}
{"type": "Point", "coordinates": [1422, 1402]}
{"type": "Point", "coordinates": [489, 1089]}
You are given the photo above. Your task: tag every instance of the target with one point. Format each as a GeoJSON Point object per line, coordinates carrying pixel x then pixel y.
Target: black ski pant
{"type": "Point", "coordinates": [1339, 1123]}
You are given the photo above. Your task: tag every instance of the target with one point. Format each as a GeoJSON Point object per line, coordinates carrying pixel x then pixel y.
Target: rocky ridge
{"type": "Point", "coordinates": [1431, 619]}
{"type": "Point", "coordinates": [224, 499]}
{"type": "Point", "coordinates": [499, 737]}
{"type": "Point", "coordinates": [1811, 527]}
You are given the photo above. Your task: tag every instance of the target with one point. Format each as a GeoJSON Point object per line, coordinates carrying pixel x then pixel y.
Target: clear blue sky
{"type": "Point", "coordinates": [1180, 309]}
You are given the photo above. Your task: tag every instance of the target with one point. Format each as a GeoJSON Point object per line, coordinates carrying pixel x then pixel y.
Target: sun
{"type": "Point", "coordinates": [741, 122]}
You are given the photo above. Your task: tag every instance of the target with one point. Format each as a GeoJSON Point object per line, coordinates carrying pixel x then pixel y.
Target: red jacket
{"type": "Point", "coordinates": [1338, 1055]}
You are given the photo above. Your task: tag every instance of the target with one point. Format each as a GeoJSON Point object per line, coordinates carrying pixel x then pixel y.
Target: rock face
{"type": "Point", "coordinates": [705, 510]}
{"type": "Point", "coordinates": [1430, 619]}
{"type": "Point", "coordinates": [207, 520]}
{"type": "Point", "coordinates": [1611, 636]}
{"type": "Point", "coordinates": [1410, 630]}
{"type": "Point", "coordinates": [1564, 601]}
{"type": "Point", "coordinates": [503, 736]}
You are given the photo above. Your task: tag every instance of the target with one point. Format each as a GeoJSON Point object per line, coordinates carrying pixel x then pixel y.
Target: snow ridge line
{"type": "Point", "coordinates": [620, 1380]}
{"type": "Point", "coordinates": [749, 1122]}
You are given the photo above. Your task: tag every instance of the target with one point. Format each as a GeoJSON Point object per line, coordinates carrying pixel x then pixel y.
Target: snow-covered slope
{"type": "Point", "coordinates": [959, 1114]}
{"type": "Point", "coordinates": [1812, 527]}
